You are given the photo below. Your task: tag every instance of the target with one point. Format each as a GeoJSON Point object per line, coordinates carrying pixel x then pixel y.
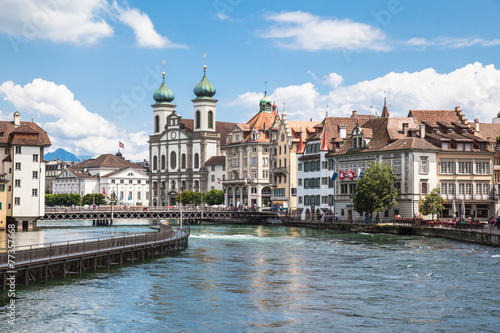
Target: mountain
{"type": "Point", "coordinates": [64, 156]}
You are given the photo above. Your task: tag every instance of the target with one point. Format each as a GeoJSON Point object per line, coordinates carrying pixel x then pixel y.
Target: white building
{"type": "Point", "coordinates": [180, 148]}
{"type": "Point", "coordinates": [106, 174]}
{"type": "Point", "coordinates": [216, 167]}
{"type": "Point", "coordinates": [22, 188]}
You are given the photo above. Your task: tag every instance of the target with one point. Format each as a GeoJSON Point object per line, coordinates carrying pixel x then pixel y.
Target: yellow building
{"type": "Point", "coordinates": [284, 142]}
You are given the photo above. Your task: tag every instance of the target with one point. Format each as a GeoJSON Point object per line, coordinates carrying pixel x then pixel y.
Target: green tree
{"type": "Point", "coordinates": [49, 200]}
{"type": "Point", "coordinates": [214, 197]}
{"type": "Point", "coordinates": [432, 203]}
{"type": "Point", "coordinates": [112, 199]}
{"type": "Point", "coordinates": [97, 198]}
{"type": "Point", "coordinates": [376, 191]}
{"type": "Point", "coordinates": [74, 199]}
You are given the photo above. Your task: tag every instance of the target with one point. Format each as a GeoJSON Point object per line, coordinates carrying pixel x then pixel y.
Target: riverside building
{"type": "Point", "coordinates": [180, 148]}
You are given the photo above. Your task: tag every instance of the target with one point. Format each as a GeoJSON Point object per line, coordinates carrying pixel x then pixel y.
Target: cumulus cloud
{"type": "Point", "coordinates": [304, 31]}
{"type": "Point", "coordinates": [69, 124]}
{"type": "Point", "coordinates": [144, 30]}
{"type": "Point", "coordinates": [474, 87]}
{"type": "Point", "coordinates": [78, 22]}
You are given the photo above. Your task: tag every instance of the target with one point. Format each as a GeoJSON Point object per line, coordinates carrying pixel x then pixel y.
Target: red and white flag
{"type": "Point", "coordinates": [351, 174]}
{"type": "Point", "coordinates": [341, 175]}
{"type": "Point", "coordinates": [121, 145]}
{"type": "Point", "coordinates": [218, 180]}
{"type": "Point", "coordinates": [104, 191]}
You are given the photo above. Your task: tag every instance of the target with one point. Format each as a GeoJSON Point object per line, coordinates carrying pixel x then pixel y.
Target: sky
{"type": "Point", "coordinates": [86, 70]}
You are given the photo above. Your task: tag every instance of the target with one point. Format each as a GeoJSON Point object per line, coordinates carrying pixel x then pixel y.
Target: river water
{"type": "Point", "coordinates": [276, 279]}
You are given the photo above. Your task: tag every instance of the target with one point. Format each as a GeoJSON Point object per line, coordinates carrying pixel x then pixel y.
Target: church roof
{"type": "Point", "coordinates": [204, 89]}
{"type": "Point", "coordinates": [106, 161]}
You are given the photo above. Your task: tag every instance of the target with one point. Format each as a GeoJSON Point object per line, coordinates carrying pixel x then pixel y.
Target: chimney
{"type": "Point", "coordinates": [17, 119]}
{"type": "Point", "coordinates": [354, 114]}
{"type": "Point", "coordinates": [310, 119]}
{"type": "Point", "coordinates": [422, 131]}
{"type": "Point", "coordinates": [342, 132]}
{"type": "Point", "coordinates": [405, 128]}
{"type": "Point", "coordinates": [476, 125]}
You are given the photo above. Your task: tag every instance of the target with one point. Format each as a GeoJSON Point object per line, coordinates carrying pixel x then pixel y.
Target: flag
{"type": "Point", "coordinates": [121, 145]}
{"type": "Point", "coordinates": [351, 175]}
{"type": "Point", "coordinates": [334, 176]}
{"type": "Point", "coordinates": [360, 173]}
{"type": "Point", "coordinates": [218, 180]}
{"type": "Point", "coordinates": [104, 191]}
{"type": "Point", "coordinates": [341, 175]}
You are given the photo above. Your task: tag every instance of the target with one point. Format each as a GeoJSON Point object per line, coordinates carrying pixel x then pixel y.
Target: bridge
{"type": "Point", "coordinates": [193, 216]}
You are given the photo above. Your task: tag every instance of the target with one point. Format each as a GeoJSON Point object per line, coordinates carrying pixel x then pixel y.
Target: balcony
{"type": "Point", "coordinates": [3, 178]}
{"type": "Point", "coordinates": [283, 170]}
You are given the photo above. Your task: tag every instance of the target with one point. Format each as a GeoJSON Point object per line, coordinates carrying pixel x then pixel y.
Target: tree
{"type": "Point", "coordinates": [112, 199]}
{"type": "Point", "coordinates": [214, 197]}
{"type": "Point", "coordinates": [432, 203]}
{"type": "Point", "coordinates": [97, 198]}
{"type": "Point", "coordinates": [49, 200]}
{"type": "Point", "coordinates": [376, 191]}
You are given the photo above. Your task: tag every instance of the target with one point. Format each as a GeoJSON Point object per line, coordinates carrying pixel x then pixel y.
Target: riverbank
{"type": "Point", "coordinates": [485, 236]}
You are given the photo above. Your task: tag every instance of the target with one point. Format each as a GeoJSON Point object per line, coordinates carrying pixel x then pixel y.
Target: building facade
{"type": "Point", "coordinates": [52, 170]}
{"type": "Point", "coordinates": [247, 159]}
{"type": "Point", "coordinates": [22, 172]}
{"type": "Point", "coordinates": [180, 148]}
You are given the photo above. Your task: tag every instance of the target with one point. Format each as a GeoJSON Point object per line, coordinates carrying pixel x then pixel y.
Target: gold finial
{"type": "Point", "coordinates": [204, 62]}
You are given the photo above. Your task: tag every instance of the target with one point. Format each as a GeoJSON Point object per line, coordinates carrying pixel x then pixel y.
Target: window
{"type": "Point", "coordinates": [183, 161]}
{"type": "Point", "coordinates": [17, 183]}
{"type": "Point", "coordinates": [35, 174]}
{"type": "Point", "coordinates": [34, 192]}
{"type": "Point", "coordinates": [213, 167]}
{"type": "Point", "coordinates": [424, 188]}
{"type": "Point", "coordinates": [121, 181]}
{"type": "Point", "coordinates": [18, 166]}
{"type": "Point", "coordinates": [486, 189]}
{"type": "Point", "coordinates": [18, 150]}
{"type": "Point", "coordinates": [324, 181]}
{"type": "Point", "coordinates": [396, 164]}
{"type": "Point", "coordinates": [163, 162]}
{"type": "Point", "coordinates": [424, 166]}
{"type": "Point", "coordinates": [157, 124]}
{"type": "Point", "coordinates": [324, 165]}
{"type": "Point", "coordinates": [198, 119]}
{"type": "Point", "coordinates": [138, 195]}
{"type": "Point", "coordinates": [468, 189]}
{"type": "Point", "coordinates": [210, 119]}
{"type": "Point", "coordinates": [479, 189]}
{"type": "Point", "coordinates": [445, 145]}
{"type": "Point", "coordinates": [35, 157]}
{"type": "Point", "coordinates": [213, 178]}
{"type": "Point", "coordinates": [130, 181]}
{"type": "Point", "coordinates": [17, 201]}
{"type": "Point", "coordinates": [2, 187]}
{"type": "Point", "coordinates": [254, 149]}
{"type": "Point", "coordinates": [444, 188]}
{"type": "Point", "coordinates": [173, 160]}
{"type": "Point", "coordinates": [300, 167]}
{"type": "Point", "coordinates": [461, 189]}
{"type": "Point", "coordinates": [155, 162]}
{"type": "Point", "coordinates": [299, 182]}
{"type": "Point", "coordinates": [300, 200]}
{"type": "Point", "coordinates": [451, 188]}
{"type": "Point", "coordinates": [112, 181]}
{"type": "Point", "coordinates": [254, 161]}
{"type": "Point", "coordinates": [196, 160]}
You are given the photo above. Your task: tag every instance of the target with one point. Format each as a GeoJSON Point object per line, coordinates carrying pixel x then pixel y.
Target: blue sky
{"type": "Point", "coordinates": [86, 70]}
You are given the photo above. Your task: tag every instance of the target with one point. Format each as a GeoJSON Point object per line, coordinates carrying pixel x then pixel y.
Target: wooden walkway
{"type": "Point", "coordinates": [34, 262]}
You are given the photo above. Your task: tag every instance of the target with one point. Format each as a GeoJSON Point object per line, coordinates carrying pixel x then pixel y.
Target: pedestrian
{"type": "Point", "coordinates": [336, 216]}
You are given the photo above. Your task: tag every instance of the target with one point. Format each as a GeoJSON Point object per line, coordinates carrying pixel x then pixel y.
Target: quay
{"type": "Point", "coordinates": [39, 262]}
{"type": "Point", "coordinates": [485, 234]}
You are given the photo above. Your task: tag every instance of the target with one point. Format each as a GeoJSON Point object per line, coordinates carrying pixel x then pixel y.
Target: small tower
{"type": "Point", "coordinates": [204, 104]}
{"type": "Point", "coordinates": [163, 106]}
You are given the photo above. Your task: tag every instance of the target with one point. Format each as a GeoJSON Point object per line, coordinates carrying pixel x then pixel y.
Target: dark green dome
{"type": "Point", "coordinates": [204, 89]}
{"type": "Point", "coordinates": [163, 94]}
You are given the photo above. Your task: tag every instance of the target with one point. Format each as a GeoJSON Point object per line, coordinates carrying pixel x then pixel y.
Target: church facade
{"type": "Point", "coordinates": [179, 148]}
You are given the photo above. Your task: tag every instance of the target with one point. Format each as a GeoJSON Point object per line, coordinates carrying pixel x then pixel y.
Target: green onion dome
{"type": "Point", "coordinates": [163, 94]}
{"type": "Point", "coordinates": [204, 89]}
{"type": "Point", "coordinates": [265, 100]}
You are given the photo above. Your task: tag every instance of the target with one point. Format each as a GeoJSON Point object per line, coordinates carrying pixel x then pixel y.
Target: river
{"type": "Point", "coordinates": [275, 279]}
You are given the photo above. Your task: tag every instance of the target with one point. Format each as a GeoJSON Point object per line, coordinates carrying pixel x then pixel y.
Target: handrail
{"type": "Point", "coordinates": [68, 248]}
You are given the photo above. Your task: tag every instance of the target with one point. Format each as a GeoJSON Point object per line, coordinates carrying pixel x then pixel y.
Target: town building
{"type": "Point", "coordinates": [216, 166]}
{"type": "Point", "coordinates": [52, 170]}
{"type": "Point", "coordinates": [284, 143]}
{"type": "Point", "coordinates": [179, 148]}
{"type": "Point", "coordinates": [106, 174]}
{"type": "Point", "coordinates": [247, 159]}
{"type": "Point", "coordinates": [22, 172]}
{"type": "Point", "coordinates": [315, 168]}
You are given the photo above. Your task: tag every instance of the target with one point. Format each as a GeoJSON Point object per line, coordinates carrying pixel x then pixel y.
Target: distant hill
{"type": "Point", "coordinates": [64, 155]}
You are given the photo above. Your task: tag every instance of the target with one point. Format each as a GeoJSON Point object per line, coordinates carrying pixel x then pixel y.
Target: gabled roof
{"type": "Point", "coordinates": [27, 134]}
{"type": "Point", "coordinates": [216, 160]}
{"type": "Point", "coordinates": [107, 161]}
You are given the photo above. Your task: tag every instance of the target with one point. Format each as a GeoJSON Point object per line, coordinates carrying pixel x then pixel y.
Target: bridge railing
{"type": "Point", "coordinates": [57, 250]}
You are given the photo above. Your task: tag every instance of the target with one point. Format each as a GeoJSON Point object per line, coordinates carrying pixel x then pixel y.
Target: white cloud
{"type": "Point", "coordinates": [69, 124]}
{"type": "Point", "coordinates": [474, 87]}
{"type": "Point", "coordinates": [304, 31]}
{"type": "Point", "coordinates": [78, 22]}
{"type": "Point", "coordinates": [144, 30]}
{"type": "Point", "coordinates": [451, 42]}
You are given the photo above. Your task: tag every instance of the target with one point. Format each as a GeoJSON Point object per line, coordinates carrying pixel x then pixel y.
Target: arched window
{"type": "Point", "coordinates": [210, 119]}
{"type": "Point", "coordinates": [183, 161]}
{"type": "Point", "coordinates": [163, 162]}
{"type": "Point", "coordinates": [198, 119]}
{"type": "Point", "coordinates": [157, 124]}
{"type": "Point", "coordinates": [196, 161]}
{"type": "Point", "coordinates": [196, 185]}
{"type": "Point", "coordinates": [155, 162]}
{"type": "Point", "coordinates": [173, 160]}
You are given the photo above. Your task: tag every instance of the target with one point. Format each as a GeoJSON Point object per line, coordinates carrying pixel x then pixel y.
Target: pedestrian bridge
{"type": "Point", "coordinates": [151, 213]}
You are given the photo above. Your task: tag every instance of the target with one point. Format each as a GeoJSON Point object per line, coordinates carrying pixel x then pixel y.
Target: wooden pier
{"type": "Point", "coordinates": [39, 262]}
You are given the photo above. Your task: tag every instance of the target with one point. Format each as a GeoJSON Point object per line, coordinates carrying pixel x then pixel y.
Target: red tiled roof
{"type": "Point", "coordinates": [27, 134]}
{"type": "Point", "coordinates": [216, 160]}
{"type": "Point", "coordinates": [107, 160]}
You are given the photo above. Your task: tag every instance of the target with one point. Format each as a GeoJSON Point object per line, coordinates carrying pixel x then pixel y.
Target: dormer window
{"type": "Point", "coordinates": [464, 131]}
{"type": "Point", "coordinates": [434, 130]}
{"type": "Point", "coordinates": [445, 145]}
{"type": "Point", "coordinates": [450, 131]}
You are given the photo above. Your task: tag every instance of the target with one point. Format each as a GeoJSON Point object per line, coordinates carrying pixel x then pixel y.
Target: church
{"type": "Point", "coordinates": [180, 148]}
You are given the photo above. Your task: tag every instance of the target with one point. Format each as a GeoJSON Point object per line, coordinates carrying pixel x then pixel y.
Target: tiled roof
{"type": "Point", "coordinates": [489, 131]}
{"type": "Point", "coordinates": [261, 122]}
{"type": "Point", "coordinates": [216, 160]}
{"type": "Point", "coordinates": [27, 134]}
{"type": "Point", "coordinates": [331, 126]}
{"type": "Point", "coordinates": [433, 116]}
{"type": "Point", "coordinates": [221, 127]}
{"type": "Point", "coordinates": [79, 173]}
{"type": "Point", "coordinates": [107, 161]}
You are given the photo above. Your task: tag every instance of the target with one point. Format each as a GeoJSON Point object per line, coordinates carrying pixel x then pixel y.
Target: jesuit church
{"type": "Point", "coordinates": [179, 148]}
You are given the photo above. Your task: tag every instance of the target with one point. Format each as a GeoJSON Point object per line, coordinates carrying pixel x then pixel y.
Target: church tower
{"type": "Point", "coordinates": [204, 105]}
{"type": "Point", "coordinates": [163, 107]}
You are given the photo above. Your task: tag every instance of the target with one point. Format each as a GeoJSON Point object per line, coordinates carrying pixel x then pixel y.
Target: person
{"type": "Point", "coordinates": [296, 216]}
{"type": "Point", "coordinates": [336, 216]}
